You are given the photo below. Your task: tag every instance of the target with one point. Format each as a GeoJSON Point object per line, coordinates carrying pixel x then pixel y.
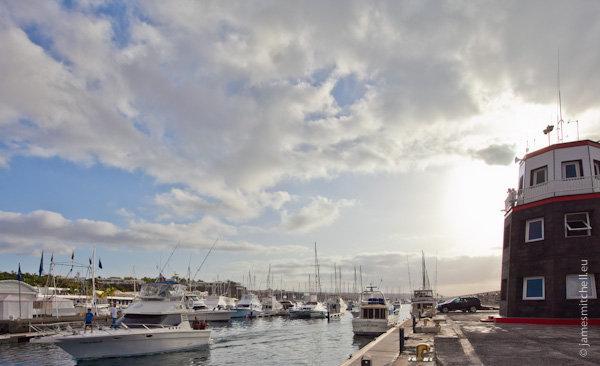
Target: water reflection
{"type": "Point", "coordinates": [268, 341]}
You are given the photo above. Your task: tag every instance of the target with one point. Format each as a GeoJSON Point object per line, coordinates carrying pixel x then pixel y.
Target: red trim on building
{"type": "Point", "coordinates": [574, 197]}
{"type": "Point", "coordinates": [562, 146]}
{"type": "Point", "coordinates": [546, 321]}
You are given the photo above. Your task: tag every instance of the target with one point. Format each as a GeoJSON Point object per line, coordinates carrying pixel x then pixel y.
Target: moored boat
{"type": "Point", "coordinates": [158, 321]}
{"type": "Point", "coordinates": [376, 316]}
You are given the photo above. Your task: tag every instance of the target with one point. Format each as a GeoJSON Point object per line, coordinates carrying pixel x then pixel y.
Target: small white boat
{"type": "Point", "coordinates": [248, 307]}
{"type": "Point", "coordinates": [309, 310]}
{"type": "Point", "coordinates": [376, 316]}
{"type": "Point", "coordinates": [271, 306]}
{"type": "Point", "coordinates": [336, 305]}
{"type": "Point", "coordinates": [200, 311]}
{"type": "Point", "coordinates": [156, 322]}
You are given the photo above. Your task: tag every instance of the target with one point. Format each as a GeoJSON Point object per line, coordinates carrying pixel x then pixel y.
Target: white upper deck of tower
{"type": "Point", "coordinates": [557, 170]}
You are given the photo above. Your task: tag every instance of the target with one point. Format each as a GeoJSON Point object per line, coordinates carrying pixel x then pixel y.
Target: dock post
{"type": "Point", "coordinates": [414, 323]}
{"type": "Point", "coordinates": [401, 336]}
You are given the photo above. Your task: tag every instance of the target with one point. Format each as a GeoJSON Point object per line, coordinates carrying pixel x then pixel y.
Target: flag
{"type": "Point", "coordinates": [41, 269]}
{"type": "Point", "coordinates": [90, 259]}
{"type": "Point", "coordinates": [19, 274]}
{"type": "Point", "coordinates": [52, 258]}
{"type": "Point", "coordinates": [73, 255]}
{"type": "Point", "coordinates": [100, 263]}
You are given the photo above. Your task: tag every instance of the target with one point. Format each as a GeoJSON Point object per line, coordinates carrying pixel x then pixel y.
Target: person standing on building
{"type": "Point", "coordinates": [113, 315]}
{"type": "Point", "coordinates": [89, 319]}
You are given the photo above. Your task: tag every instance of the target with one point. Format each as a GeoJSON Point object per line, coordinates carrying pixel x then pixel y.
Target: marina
{"type": "Point", "coordinates": [265, 341]}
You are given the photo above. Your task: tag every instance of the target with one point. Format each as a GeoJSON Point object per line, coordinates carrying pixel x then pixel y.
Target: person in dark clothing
{"type": "Point", "coordinates": [89, 319]}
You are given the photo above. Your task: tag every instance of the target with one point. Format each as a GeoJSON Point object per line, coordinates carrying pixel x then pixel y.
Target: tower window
{"type": "Point", "coordinates": [538, 176]}
{"type": "Point", "coordinates": [596, 167]}
{"type": "Point", "coordinates": [581, 286]}
{"type": "Point", "coordinates": [577, 224]}
{"type": "Point", "coordinates": [571, 169]}
{"type": "Point", "coordinates": [534, 230]}
{"type": "Point", "coordinates": [533, 288]}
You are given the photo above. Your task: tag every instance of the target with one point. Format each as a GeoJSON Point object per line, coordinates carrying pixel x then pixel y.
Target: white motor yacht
{"type": "Point", "coordinates": [200, 311]}
{"type": "Point", "coordinates": [310, 309]}
{"type": "Point", "coordinates": [271, 306]}
{"type": "Point", "coordinates": [376, 316]}
{"type": "Point", "coordinates": [248, 307]}
{"type": "Point", "coordinates": [156, 322]}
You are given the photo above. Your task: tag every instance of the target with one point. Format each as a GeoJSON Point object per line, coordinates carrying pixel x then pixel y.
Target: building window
{"type": "Point", "coordinates": [534, 230]}
{"type": "Point", "coordinates": [577, 224]}
{"type": "Point", "coordinates": [581, 286]}
{"type": "Point", "coordinates": [533, 288]}
{"type": "Point", "coordinates": [538, 176]}
{"type": "Point", "coordinates": [571, 169]}
{"type": "Point", "coordinates": [596, 167]}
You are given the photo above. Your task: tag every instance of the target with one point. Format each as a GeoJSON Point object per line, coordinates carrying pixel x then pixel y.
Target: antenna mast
{"type": "Point", "coordinates": [559, 119]}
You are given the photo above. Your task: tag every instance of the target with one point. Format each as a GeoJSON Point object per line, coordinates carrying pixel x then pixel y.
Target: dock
{"type": "Point", "coordinates": [385, 349]}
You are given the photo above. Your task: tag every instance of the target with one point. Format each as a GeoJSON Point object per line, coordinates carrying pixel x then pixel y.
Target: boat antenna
{"type": "Point", "coordinates": [559, 119]}
{"type": "Point", "coordinates": [167, 262]}
{"type": "Point", "coordinates": [204, 260]}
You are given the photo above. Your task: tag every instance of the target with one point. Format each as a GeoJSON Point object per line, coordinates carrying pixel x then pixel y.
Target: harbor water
{"type": "Point", "coordinates": [265, 341]}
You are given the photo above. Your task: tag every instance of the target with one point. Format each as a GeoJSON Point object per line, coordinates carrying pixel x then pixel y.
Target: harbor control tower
{"type": "Point", "coordinates": [551, 245]}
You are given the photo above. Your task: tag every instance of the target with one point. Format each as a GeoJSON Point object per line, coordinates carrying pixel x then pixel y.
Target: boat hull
{"type": "Point", "coordinates": [118, 344]}
{"type": "Point", "coordinates": [212, 315]}
{"type": "Point", "coordinates": [246, 313]}
{"type": "Point", "coordinates": [371, 327]}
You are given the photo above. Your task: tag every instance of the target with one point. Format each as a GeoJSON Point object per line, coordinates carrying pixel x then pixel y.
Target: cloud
{"type": "Point", "coordinates": [318, 213]}
{"type": "Point", "coordinates": [495, 154]}
{"type": "Point", "coordinates": [180, 203]}
{"type": "Point", "coordinates": [24, 233]}
{"type": "Point", "coordinates": [227, 101]}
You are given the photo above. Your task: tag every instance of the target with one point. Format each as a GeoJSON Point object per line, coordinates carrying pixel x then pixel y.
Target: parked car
{"type": "Point", "coordinates": [463, 303]}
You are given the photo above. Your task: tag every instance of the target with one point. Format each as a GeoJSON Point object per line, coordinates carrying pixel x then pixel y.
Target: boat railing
{"type": "Point", "coordinates": [54, 327]}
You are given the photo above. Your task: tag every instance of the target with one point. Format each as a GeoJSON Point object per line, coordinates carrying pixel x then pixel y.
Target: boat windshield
{"type": "Point", "coordinates": [138, 320]}
{"type": "Point", "coordinates": [161, 290]}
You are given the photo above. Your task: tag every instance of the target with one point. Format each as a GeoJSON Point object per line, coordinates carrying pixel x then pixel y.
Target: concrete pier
{"type": "Point", "coordinates": [385, 349]}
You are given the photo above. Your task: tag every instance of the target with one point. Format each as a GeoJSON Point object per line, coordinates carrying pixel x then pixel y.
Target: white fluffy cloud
{"type": "Point", "coordinates": [24, 233]}
{"type": "Point", "coordinates": [230, 99]}
{"type": "Point", "coordinates": [319, 212]}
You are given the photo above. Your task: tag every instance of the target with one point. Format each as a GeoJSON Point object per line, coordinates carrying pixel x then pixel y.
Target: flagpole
{"type": "Point", "coordinates": [20, 275]}
{"type": "Point", "coordinates": [94, 280]}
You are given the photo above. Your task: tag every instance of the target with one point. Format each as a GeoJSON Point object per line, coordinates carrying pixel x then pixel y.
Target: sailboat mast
{"type": "Point", "coordinates": [94, 278]}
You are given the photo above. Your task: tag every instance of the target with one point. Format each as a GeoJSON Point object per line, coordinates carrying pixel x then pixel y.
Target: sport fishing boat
{"type": "Point", "coordinates": [200, 311]}
{"type": "Point", "coordinates": [248, 307]}
{"type": "Point", "coordinates": [376, 316]}
{"type": "Point", "coordinates": [157, 321]}
{"type": "Point", "coordinates": [309, 310]}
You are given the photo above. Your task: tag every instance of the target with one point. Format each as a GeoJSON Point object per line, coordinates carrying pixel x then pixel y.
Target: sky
{"type": "Point", "coordinates": [375, 129]}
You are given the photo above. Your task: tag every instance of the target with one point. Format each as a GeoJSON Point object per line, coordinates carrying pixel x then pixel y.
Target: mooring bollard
{"type": "Point", "coordinates": [401, 335]}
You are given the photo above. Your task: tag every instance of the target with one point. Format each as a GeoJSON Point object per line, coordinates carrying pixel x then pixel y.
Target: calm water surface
{"type": "Point", "coordinates": [268, 341]}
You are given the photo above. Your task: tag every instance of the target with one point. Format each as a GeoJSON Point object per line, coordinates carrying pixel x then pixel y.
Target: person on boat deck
{"type": "Point", "coordinates": [89, 319]}
{"type": "Point", "coordinates": [113, 315]}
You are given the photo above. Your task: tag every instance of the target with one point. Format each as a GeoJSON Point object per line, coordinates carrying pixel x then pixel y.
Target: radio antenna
{"type": "Point", "coordinates": [559, 119]}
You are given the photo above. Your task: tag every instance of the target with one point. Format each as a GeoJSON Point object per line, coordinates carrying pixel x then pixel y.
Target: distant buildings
{"type": "Point", "coordinates": [551, 247]}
